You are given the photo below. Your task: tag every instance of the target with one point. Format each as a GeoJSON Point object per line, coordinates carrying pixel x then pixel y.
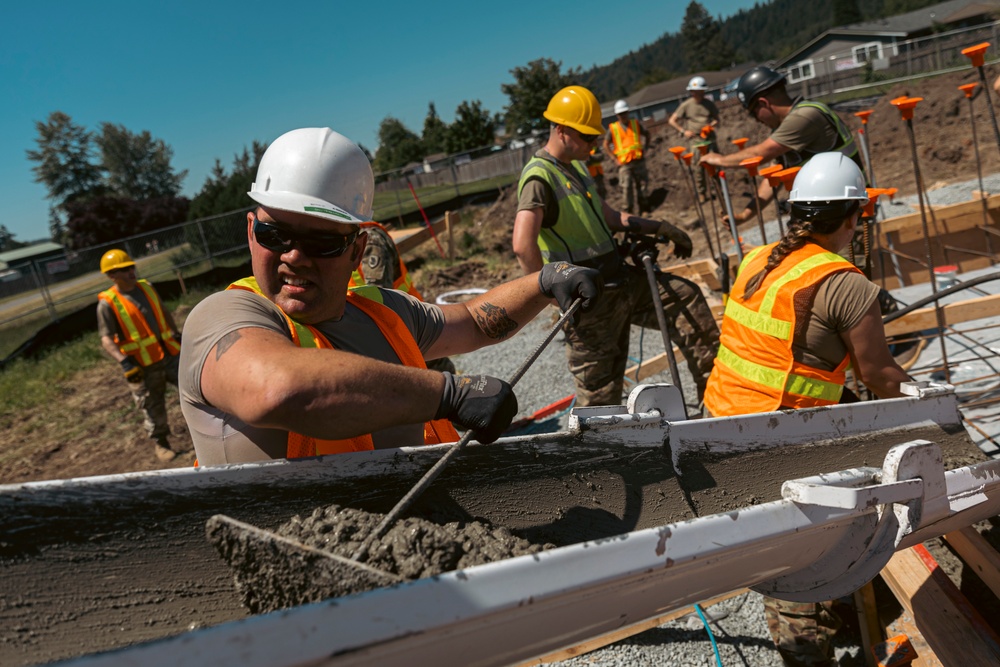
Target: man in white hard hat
{"type": "Point", "coordinates": [628, 141]}
{"type": "Point", "coordinates": [695, 120]}
{"type": "Point", "coordinates": [562, 218]}
{"type": "Point", "coordinates": [289, 363]}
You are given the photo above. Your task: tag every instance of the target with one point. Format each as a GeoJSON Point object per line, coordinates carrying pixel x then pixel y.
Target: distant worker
{"type": "Point", "coordinates": [696, 119]}
{"type": "Point", "coordinates": [382, 266]}
{"type": "Point", "coordinates": [628, 141]}
{"type": "Point", "coordinates": [141, 335]}
{"type": "Point", "coordinates": [799, 130]}
{"type": "Point", "coordinates": [595, 165]}
{"type": "Point", "coordinates": [289, 363]}
{"type": "Point", "coordinates": [561, 217]}
{"type": "Point", "coordinates": [799, 315]}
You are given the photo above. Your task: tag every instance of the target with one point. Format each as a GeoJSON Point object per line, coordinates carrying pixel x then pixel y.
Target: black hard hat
{"type": "Point", "coordinates": [756, 81]}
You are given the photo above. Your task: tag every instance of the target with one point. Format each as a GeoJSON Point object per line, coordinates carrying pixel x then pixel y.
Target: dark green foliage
{"type": "Point", "coordinates": [64, 159]}
{"type": "Point", "coordinates": [435, 136]}
{"type": "Point", "coordinates": [533, 87]}
{"type": "Point", "coordinates": [398, 146]}
{"type": "Point", "coordinates": [95, 220]}
{"type": "Point", "coordinates": [704, 48]}
{"type": "Point", "coordinates": [137, 166]}
{"type": "Point", "coordinates": [846, 12]}
{"type": "Point", "coordinates": [474, 127]}
{"type": "Point", "coordinates": [224, 192]}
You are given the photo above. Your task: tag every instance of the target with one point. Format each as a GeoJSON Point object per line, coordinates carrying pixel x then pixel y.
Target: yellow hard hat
{"type": "Point", "coordinates": [115, 259]}
{"type": "Point", "coordinates": [576, 107]}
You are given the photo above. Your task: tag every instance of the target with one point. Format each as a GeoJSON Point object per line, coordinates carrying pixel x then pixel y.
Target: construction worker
{"type": "Point", "coordinates": [695, 120]}
{"type": "Point", "coordinates": [799, 129]}
{"type": "Point", "coordinates": [798, 316]}
{"type": "Point", "coordinates": [141, 335]}
{"type": "Point", "coordinates": [254, 386]}
{"type": "Point", "coordinates": [561, 217]}
{"type": "Point", "coordinates": [382, 265]}
{"type": "Point", "coordinates": [628, 141]}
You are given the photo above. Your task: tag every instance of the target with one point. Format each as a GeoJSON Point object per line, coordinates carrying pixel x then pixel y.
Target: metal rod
{"type": "Point", "coordinates": [689, 179]}
{"type": "Point", "coordinates": [661, 319]}
{"type": "Point", "coordinates": [993, 114]}
{"type": "Point", "coordinates": [732, 220]}
{"type": "Point", "coordinates": [760, 216]}
{"type": "Point", "coordinates": [436, 469]}
{"type": "Point", "coordinates": [715, 218]}
{"type": "Point", "coordinates": [927, 247]}
{"type": "Point", "coordinates": [979, 171]}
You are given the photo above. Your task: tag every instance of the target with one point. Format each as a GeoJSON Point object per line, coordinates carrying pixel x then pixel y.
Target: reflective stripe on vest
{"type": "Point", "coordinates": [755, 370]}
{"type": "Point", "coordinates": [404, 283]}
{"type": "Point", "coordinates": [627, 142]}
{"type": "Point", "coordinates": [846, 145]}
{"type": "Point", "coordinates": [368, 299]}
{"type": "Point", "coordinates": [140, 341]}
{"type": "Point", "coordinates": [580, 233]}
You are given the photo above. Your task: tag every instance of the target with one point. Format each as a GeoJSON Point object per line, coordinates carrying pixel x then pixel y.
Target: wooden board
{"type": "Point", "coordinates": [977, 554]}
{"type": "Point", "coordinates": [954, 313]}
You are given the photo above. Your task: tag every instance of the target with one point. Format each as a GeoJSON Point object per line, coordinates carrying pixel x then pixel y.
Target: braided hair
{"type": "Point", "coordinates": [808, 218]}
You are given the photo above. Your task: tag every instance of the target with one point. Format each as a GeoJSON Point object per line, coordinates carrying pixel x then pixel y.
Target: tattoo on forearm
{"type": "Point", "coordinates": [494, 321]}
{"type": "Point", "coordinates": [225, 343]}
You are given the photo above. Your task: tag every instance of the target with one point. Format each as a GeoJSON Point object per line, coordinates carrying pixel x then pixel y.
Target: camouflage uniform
{"type": "Point", "coordinates": [802, 631]}
{"type": "Point", "coordinates": [598, 344]}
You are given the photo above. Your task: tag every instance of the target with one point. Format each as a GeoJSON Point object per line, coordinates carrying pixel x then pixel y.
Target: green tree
{"type": "Point", "coordinates": [656, 75]}
{"type": "Point", "coordinates": [533, 87]}
{"type": "Point", "coordinates": [701, 35]}
{"type": "Point", "coordinates": [846, 12]}
{"type": "Point", "coordinates": [474, 127]}
{"type": "Point", "coordinates": [7, 241]}
{"type": "Point", "coordinates": [435, 135]}
{"type": "Point", "coordinates": [65, 159]}
{"type": "Point", "coordinates": [225, 191]}
{"type": "Point", "coordinates": [398, 146]}
{"type": "Point", "coordinates": [137, 166]}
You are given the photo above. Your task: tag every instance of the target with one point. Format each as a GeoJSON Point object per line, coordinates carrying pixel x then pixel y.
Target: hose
{"type": "Point", "coordinates": [711, 635]}
{"type": "Point", "coordinates": [966, 284]}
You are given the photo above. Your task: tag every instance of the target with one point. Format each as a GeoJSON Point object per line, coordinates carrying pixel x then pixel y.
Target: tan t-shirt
{"type": "Point", "coordinates": [806, 129]}
{"type": "Point", "coordinates": [222, 438]}
{"type": "Point", "coordinates": [840, 302]}
{"type": "Point", "coordinates": [694, 115]}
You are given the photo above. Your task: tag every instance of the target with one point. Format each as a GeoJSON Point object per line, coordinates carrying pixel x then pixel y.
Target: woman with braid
{"type": "Point", "coordinates": [798, 316]}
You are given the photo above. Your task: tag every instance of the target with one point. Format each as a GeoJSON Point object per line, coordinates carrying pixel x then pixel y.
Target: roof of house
{"type": "Point", "coordinates": [674, 88]}
{"type": "Point", "coordinates": [30, 251]}
{"type": "Point", "coordinates": [904, 25]}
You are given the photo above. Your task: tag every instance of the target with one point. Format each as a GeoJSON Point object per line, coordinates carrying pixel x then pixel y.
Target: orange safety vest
{"type": "Point", "coordinates": [404, 283]}
{"type": "Point", "coordinates": [368, 300]}
{"type": "Point", "coordinates": [755, 370]}
{"type": "Point", "coordinates": [139, 341]}
{"type": "Point", "coordinates": [594, 164]}
{"type": "Point", "coordinates": [627, 141]}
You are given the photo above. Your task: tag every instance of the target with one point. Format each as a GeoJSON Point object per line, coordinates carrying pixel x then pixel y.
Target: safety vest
{"type": "Point", "coordinates": [580, 233]}
{"type": "Point", "coordinates": [368, 299]}
{"type": "Point", "coordinates": [845, 144]}
{"type": "Point", "coordinates": [139, 341]}
{"type": "Point", "coordinates": [628, 142]}
{"type": "Point", "coordinates": [594, 164]}
{"type": "Point", "coordinates": [404, 283]}
{"type": "Point", "coordinates": [755, 370]}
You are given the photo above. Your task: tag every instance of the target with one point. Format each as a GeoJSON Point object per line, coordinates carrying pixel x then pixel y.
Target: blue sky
{"type": "Point", "coordinates": [209, 77]}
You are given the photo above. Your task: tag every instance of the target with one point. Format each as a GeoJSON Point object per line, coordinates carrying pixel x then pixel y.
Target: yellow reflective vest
{"type": "Point", "coordinates": [139, 340]}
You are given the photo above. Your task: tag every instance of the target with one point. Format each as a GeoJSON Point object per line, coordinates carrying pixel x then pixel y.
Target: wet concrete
{"type": "Point", "coordinates": [85, 569]}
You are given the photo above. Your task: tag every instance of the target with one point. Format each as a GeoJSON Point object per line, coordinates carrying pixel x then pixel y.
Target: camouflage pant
{"type": "Point", "coordinates": [150, 395]}
{"type": "Point", "coordinates": [634, 176]}
{"type": "Point", "coordinates": [598, 345]}
{"type": "Point", "coordinates": [802, 631]}
{"type": "Point", "coordinates": [380, 263]}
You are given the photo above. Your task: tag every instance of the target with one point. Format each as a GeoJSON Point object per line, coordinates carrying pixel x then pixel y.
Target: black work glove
{"type": "Point", "coordinates": [484, 404]}
{"type": "Point", "coordinates": [680, 239]}
{"type": "Point", "coordinates": [133, 371]}
{"type": "Point", "coordinates": [565, 282]}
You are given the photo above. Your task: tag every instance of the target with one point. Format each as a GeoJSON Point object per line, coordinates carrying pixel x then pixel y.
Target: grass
{"type": "Point", "coordinates": [387, 207]}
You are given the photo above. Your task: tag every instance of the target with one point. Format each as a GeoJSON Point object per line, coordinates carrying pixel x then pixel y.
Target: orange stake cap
{"type": "Point", "coordinates": [906, 105]}
{"type": "Point", "coordinates": [677, 151]}
{"type": "Point", "coordinates": [703, 148]}
{"type": "Point", "coordinates": [873, 195]}
{"type": "Point", "coordinates": [968, 88]}
{"type": "Point", "coordinates": [787, 176]}
{"type": "Point", "coordinates": [741, 142]}
{"type": "Point", "coordinates": [687, 157]}
{"type": "Point", "coordinates": [863, 115]}
{"type": "Point", "coordinates": [891, 192]}
{"type": "Point", "coordinates": [710, 168]}
{"type": "Point", "coordinates": [751, 164]}
{"type": "Point", "coordinates": [976, 53]}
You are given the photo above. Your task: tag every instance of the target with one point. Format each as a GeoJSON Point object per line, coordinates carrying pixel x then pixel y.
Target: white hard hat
{"type": "Point", "coordinates": [316, 171]}
{"type": "Point", "coordinates": [697, 83]}
{"type": "Point", "coordinates": [621, 106]}
{"type": "Point", "coordinates": [829, 177]}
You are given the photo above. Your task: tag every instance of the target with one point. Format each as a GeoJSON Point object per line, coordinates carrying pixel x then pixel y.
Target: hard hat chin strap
{"type": "Point", "coordinates": [821, 215]}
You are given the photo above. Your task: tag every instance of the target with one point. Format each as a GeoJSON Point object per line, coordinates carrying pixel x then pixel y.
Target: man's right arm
{"type": "Point", "coordinates": [527, 225]}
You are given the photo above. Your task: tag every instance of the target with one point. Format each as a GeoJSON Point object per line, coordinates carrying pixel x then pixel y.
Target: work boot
{"type": "Point", "coordinates": [163, 451]}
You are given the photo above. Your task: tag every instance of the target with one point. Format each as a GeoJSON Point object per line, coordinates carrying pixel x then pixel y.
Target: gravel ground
{"type": "Point", "coordinates": [737, 624]}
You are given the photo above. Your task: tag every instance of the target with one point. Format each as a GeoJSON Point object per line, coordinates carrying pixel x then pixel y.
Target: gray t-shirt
{"type": "Point", "coordinates": [222, 438]}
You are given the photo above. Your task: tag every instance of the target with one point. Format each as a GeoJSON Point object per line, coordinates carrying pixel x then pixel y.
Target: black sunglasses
{"type": "Point", "coordinates": [586, 138]}
{"type": "Point", "coordinates": [320, 245]}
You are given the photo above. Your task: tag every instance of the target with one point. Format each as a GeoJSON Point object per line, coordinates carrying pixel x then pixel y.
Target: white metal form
{"type": "Point", "coordinates": [829, 534]}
